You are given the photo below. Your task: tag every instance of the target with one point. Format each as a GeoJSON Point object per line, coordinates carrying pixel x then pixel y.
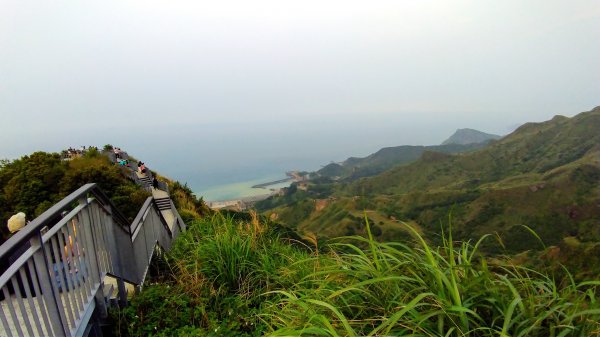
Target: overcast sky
{"type": "Point", "coordinates": [139, 73]}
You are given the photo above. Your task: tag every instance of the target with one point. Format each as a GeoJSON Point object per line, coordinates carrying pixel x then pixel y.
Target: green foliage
{"type": "Point", "coordinates": [288, 198]}
{"type": "Point", "coordinates": [161, 308]}
{"type": "Point", "coordinates": [29, 185]}
{"type": "Point", "coordinates": [387, 158]}
{"type": "Point", "coordinates": [34, 183]}
{"type": "Point", "coordinates": [241, 278]}
{"type": "Point", "coordinates": [405, 290]}
{"type": "Point", "coordinates": [187, 216]}
{"type": "Point", "coordinates": [543, 175]}
{"type": "Point", "coordinates": [128, 198]}
{"type": "Point", "coordinates": [234, 256]}
{"type": "Point", "coordinates": [221, 269]}
{"type": "Point", "coordinates": [185, 201]}
{"type": "Point", "coordinates": [92, 152]}
{"type": "Point", "coordinates": [84, 170]}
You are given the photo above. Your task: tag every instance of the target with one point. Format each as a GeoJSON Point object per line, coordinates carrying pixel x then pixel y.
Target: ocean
{"type": "Point", "coordinates": [242, 189]}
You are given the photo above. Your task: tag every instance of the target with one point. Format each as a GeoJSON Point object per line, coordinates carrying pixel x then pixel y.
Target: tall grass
{"type": "Point", "coordinates": [236, 257]}
{"type": "Point", "coordinates": [383, 289]}
{"type": "Point", "coordinates": [244, 278]}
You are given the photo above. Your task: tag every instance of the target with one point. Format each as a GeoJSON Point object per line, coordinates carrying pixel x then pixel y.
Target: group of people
{"type": "Point", "coordinates": [71, 153]}
{"type": "Point", "coordinates": [122, 160]}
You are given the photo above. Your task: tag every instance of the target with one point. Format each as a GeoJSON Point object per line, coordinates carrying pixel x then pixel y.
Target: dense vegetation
{"type": "Point", "coordinates": [35, 182]}
{"type": "Point", "coordinates": [231, 277]}
{"type": "Point", "coordinates": [544, 175]}
{"type": "Point", "coordinates": [237, 275]}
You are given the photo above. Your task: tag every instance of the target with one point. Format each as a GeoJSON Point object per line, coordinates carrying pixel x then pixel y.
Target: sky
{"type": "Point", "coordinates": [217, 87]}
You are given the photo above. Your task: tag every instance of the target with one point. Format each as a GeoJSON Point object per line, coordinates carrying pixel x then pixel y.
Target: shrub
{"type": "Point", "coordinates": [239, 277]}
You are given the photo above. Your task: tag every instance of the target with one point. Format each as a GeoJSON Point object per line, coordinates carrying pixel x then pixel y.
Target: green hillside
{"type": "Point", "coordinates": [239, 274]}
{"type": "Point", "coordinates": [230, 276]}
{"type": "Point", "coordinates": [386, 158]}
{"type": "Point", "coordinates": [544, 175]}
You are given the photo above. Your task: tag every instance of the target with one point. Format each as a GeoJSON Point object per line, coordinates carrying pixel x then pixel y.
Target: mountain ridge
{"type": "Point", "coordinates": [544, 175]}
{"type": "Point", "coordinates": [385, 158]}
{"type": "Point", "coordinates": [469, 136]}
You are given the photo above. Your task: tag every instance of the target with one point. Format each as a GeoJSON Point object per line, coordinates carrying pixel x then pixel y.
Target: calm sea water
{"type": "Point", "coordinates": [242, 189]}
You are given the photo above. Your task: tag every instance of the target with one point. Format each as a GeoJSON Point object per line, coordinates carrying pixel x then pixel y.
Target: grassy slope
{"type": "Point", "coordinates": [243, 278]}
{"type": "Point", "coordinates": [533, 148]}
{"type": "Point", "coordinates": [544, 175]}
{"type": "Point", "coordinates": [188, 206]}
{"type": "Point", "coordinates": [386, 158]}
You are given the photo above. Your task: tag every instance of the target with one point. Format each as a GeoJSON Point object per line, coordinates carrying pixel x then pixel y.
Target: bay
{"type": "Point", "coordinates": [243, 189]}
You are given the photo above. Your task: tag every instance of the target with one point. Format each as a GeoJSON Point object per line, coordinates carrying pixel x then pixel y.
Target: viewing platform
{"type": "Point", "coordinates": [61, 272]}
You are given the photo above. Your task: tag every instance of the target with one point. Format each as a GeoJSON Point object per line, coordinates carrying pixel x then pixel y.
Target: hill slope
{"type": "Point", "coordinates": [386, 158]}
{"type": "Point", "coordinates": [228, 277]}
{"type": "Point", "coordinates": [543, 175]}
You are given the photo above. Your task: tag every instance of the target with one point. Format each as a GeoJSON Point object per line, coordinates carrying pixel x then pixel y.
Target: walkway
{"type": "Point", "coordinates": [80, 263]}
{"type": "Point", "coordinates": [158, 194]}
{"type": "Point", "coordinates": [161, 197]}
{"type": "Point", "coordinates": [83, 257]}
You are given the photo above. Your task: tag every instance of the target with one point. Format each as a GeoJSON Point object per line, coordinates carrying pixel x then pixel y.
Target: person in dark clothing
{"type": "Point", "coordinates": [155, 182]}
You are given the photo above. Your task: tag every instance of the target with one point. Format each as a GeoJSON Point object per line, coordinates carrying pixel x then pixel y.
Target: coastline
{"type": "Point", "coordinates": [239, 204]}
{"type": "Point", "coordinates": [264, 185]}
{"type": "Point", "coordinates": [244, 202]}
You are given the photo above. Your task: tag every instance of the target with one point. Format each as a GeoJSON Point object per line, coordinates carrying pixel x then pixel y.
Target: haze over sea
{"type": "Point", "coordinates": [218, 94]}
{"type": "Point", "coordinates": [221, 161]}
{"type": "Point", "coordinates": [215, 159]}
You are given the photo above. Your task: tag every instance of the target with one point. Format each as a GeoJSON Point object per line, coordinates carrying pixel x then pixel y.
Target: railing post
{"type": "Point", "coordinates": [45, 277]}
{"type": "Point", "coordinates": [116, 256]}
{"type": "Point", "coordinates": [87, 222]}
{"type": "Point", "coordinates": [122, 292]}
